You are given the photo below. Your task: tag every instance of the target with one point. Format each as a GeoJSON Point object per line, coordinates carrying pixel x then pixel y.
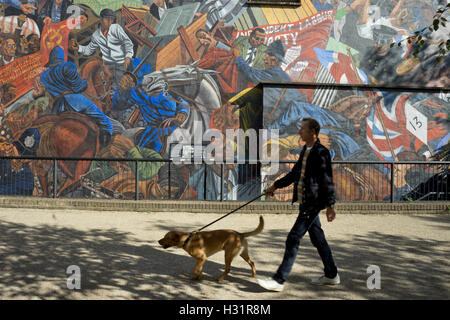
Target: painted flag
{"type": "Point", "coordinates": [53, 35]}
{"type": "Point", "coordinates": [340, 67]}
{"type": "Point", "coordinates": [391, 114]}
{"type": "Point", "coordinates": [324, 95]}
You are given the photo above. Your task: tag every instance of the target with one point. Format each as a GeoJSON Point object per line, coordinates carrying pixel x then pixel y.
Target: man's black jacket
{"type": "Point", "coordinates": [318, 187]}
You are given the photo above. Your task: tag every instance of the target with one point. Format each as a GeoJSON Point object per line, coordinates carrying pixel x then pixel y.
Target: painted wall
{"type": "Point", "coordinates": [201, 60]}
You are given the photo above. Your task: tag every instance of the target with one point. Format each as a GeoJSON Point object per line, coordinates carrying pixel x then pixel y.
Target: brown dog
{"type": "Point", "coordinates": [206, 243]}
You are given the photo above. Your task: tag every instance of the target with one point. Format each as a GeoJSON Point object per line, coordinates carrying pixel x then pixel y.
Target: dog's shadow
{"type": "Point", "coordinates": [182, 265]}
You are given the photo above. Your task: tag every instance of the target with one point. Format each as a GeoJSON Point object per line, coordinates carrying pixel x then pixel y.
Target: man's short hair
{"type": "Point", "coordinates": [9, 36]}
{"type": "Point", "coordinates": [312, 124]}
{"type": "Point", "coordinates": [260, 30]}
{"type": "Point", "coordinates": [31, 35]}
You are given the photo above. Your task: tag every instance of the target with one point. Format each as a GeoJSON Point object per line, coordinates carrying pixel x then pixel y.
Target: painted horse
{"type": "Point", "coordinates": [74, 135]}
{"type": "Point", "coordinates": [99, 79]}
{"type": "Point", "coordinates": [67, 135]}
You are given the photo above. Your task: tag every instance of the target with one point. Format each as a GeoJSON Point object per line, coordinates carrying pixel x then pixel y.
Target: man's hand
{"type": "Point", "coordinates": [38, 91]}
{"type": "Point", "coordinates": [21, 20]}
{"type": "Point", "coordinates": [2, 110]}
{"type": "Point", "coordinates": [127, 62]}
{"type": "Point", "coordinates": [269, 191]}
{"type": "Point", "coordinates": [331, 214]}
{"type": "Point", "coordinates": [47, 20]}
{"type": "Point", "coordinates": [23, 42]}
{"type": "Point", "coordinates": [126, 83]}
{"type": "Point", "coordinates": [26, 8]}
{"type": "Point", "coordinates": [235, 51]}
{"type": "Point", "coordinates": [73, 44]}
{"type": "Point", "coordinates": [180, 117]}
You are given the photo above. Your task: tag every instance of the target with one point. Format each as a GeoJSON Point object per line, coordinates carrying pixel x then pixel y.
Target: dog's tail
{"type": "Point", "coordinates": [256, 231]}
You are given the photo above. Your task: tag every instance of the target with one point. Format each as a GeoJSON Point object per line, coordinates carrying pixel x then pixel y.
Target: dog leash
{"type": "Point", "coordinates": [194, 232]}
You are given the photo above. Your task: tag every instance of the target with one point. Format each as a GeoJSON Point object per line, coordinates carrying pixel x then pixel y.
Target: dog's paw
{"type": "Point", "coordinates": [196, 278]}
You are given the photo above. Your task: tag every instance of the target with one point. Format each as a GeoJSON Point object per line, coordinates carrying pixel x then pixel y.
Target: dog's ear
{"type": "Point", "coordinates": [176, 237]}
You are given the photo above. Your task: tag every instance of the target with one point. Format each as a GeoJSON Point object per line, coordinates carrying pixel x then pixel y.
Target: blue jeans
{"type": "Point", "coordinates": [306, 221]}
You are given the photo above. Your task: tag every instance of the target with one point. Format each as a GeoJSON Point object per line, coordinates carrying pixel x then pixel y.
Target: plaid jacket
{"type": "Point", "coordinates": [318, 187]}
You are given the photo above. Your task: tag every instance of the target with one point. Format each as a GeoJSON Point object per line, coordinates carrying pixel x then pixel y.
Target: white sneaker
{"type": "Point", "coordinates": [270, 284]}
{"type": "Point", "coordinates": [326, 281]}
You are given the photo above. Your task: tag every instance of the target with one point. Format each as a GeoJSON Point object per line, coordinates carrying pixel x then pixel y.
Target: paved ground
{"type": "Point", "coordinates": [120, 258]}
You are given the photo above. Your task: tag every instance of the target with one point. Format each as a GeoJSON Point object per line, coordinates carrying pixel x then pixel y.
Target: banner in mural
{"type": "Point", "coordinates": [300, 38]}
{"type": "Point", "coordinates": [22, 71]}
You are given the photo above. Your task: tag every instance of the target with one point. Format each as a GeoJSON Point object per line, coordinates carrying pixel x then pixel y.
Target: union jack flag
{"type": "Point", "coordinates": [396, 112]}
{"type": "Point", "coordinates": [388, 112]}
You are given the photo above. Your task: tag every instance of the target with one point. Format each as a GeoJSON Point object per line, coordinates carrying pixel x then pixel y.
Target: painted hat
{"type": "Point", "coordinates": [107, 13]}
{"type": "Point", "coordinates": [56, 56]}
{"type": "Point", "coordinates": [277, 49]}
{"type": "Point", "coordinates": [28, 142]}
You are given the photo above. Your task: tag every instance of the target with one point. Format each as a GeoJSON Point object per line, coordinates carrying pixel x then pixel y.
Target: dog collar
{"type": "Point", "coordinates": [188, 238]}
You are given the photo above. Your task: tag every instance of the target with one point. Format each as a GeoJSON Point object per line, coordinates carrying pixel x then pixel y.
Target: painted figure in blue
{"type": "Point", "coordinates": [161, 113]}
{"type": "Point", "coordinates": [333, 124]}
{"type": "Point", "coordinates": [273, 59]}
{"type": "Point", "coordinates": [65, 85]}
{"type": "Point", "coordinates": [16, 177]}
{"type": "Point", "coordinates": [322, 5]}
{"type": "Point", "coordinates": [122, 107]}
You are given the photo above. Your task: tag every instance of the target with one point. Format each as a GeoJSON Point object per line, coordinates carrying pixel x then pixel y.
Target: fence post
{"type": "Point", "coordinates": [222, 173]}
{"type": "Point", "coordinates": [392, 181]}
{"type": "Point", "coordinates": [170, 188]}
{"type": "Point", "coordinates": [204, 182]}
{"type": "Point", "coordinates": [55, 178]}
{"type": "Point", "coordinates": [137, 179]}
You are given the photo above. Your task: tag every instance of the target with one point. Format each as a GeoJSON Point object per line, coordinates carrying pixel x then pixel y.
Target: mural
{"type": "Point", "coordinates": [131, 79]}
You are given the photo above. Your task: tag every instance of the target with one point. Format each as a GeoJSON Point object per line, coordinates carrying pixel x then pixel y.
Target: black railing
{"type": "Point", "coordinates": [139, 179]}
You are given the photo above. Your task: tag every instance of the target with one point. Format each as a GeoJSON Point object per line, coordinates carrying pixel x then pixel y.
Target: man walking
{"type": "Point", "coordinates": [115, 46]}
{"type": "Point", "coordinates": [314, 190]}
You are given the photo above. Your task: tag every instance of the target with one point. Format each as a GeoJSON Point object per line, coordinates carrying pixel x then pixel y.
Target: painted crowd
{"type": "Point", "coordinates": [121, 79]}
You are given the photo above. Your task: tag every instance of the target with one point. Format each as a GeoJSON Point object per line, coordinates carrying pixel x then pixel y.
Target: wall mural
{"type": "Point", "coordinates": [122, 79]}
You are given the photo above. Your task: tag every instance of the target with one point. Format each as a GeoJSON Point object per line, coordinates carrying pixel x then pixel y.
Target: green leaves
{"type": "Point", "coordinates": [419, 36]}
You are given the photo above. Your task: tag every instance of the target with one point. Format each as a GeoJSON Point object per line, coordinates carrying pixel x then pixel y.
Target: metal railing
{"type": "Point", "coordinates": [157, 179]}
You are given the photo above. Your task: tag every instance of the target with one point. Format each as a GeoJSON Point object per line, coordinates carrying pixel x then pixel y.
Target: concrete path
{"type": "Point", "coordinates": [119, 257]}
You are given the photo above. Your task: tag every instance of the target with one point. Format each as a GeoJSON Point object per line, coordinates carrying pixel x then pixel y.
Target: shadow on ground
{"type": "Point", "coordinates": [34, 261]}
{"type": "Point", "coordinates": [410, 267]}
